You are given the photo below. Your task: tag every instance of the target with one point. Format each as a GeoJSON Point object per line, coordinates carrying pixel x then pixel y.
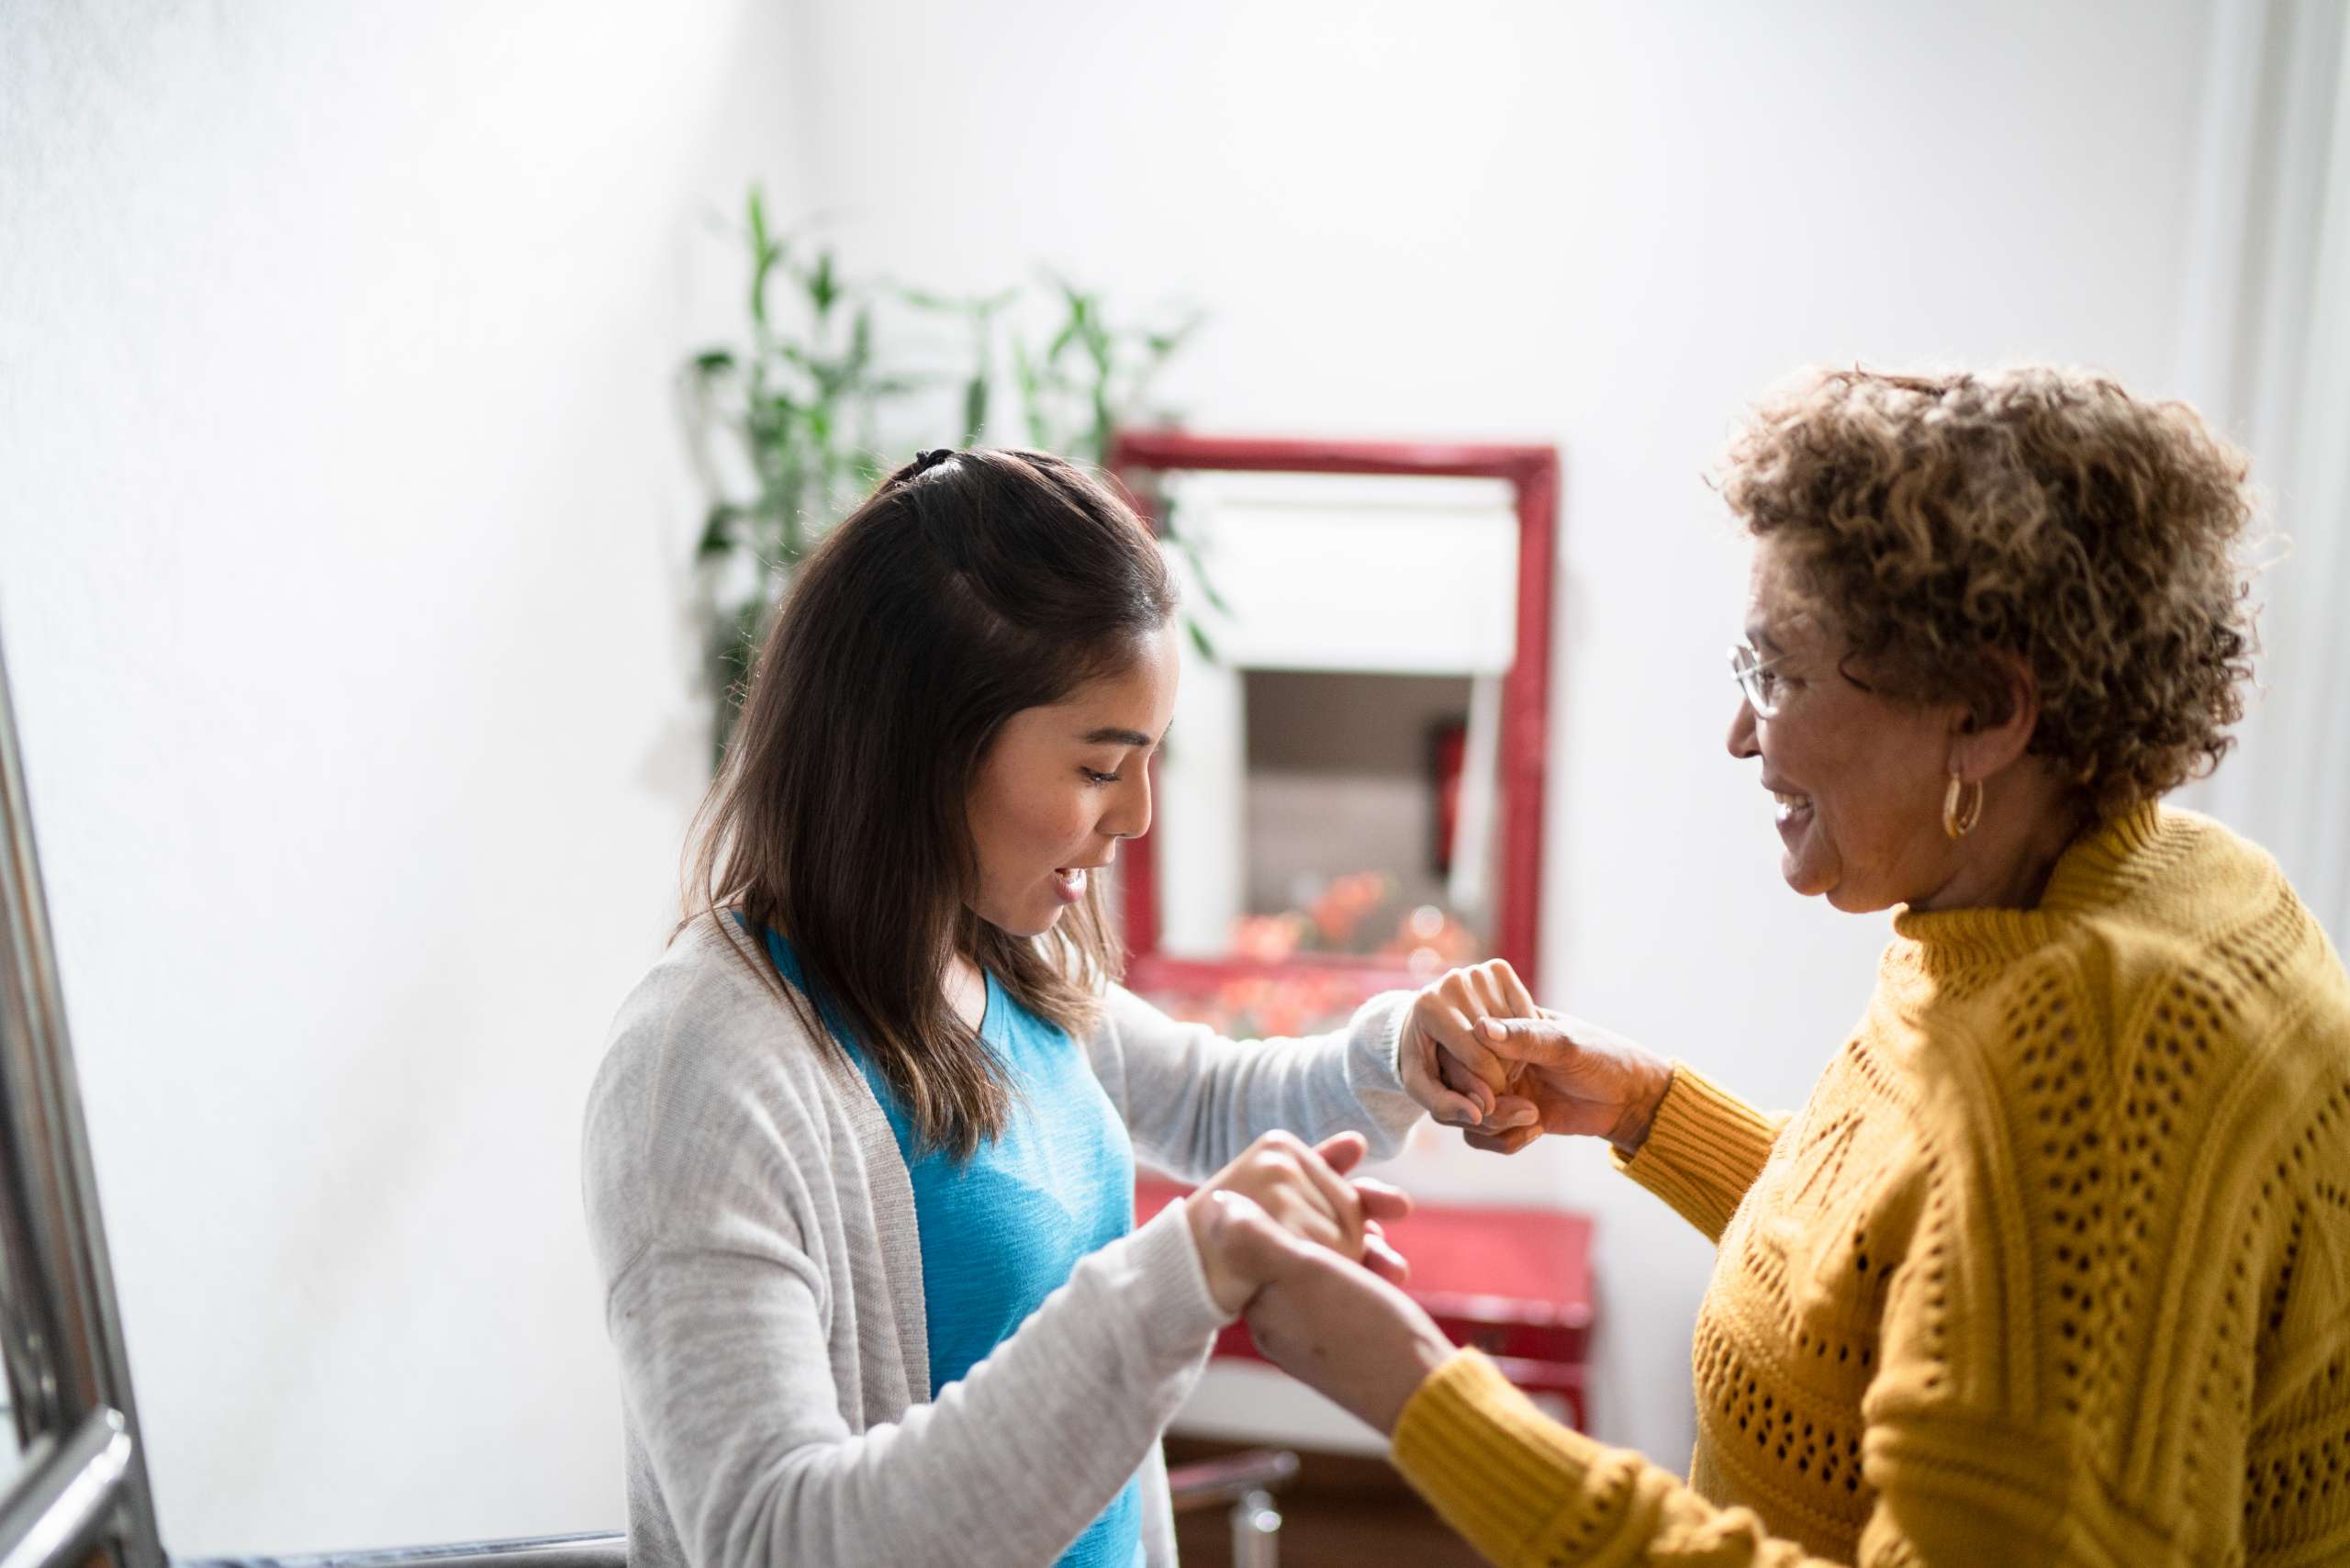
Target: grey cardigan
{"type": "Point", "coordinates": [754, 1226]}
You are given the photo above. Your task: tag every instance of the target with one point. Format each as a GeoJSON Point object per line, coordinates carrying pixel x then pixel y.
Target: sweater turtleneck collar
{"type": "Point", "coordinates": [2103, 867]}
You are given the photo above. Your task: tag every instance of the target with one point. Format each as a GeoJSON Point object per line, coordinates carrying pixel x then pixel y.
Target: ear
{"type": "Point", "coordinates": [1987, 739]}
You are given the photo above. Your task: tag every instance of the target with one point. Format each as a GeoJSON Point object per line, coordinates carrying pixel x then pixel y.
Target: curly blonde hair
{"type": "Point", "coordinates": [1930, 520]}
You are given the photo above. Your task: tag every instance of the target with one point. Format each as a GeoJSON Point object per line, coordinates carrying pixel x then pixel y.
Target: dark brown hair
{"type": "Point", "coordinates": [966, 589]}
{"type": "Point", "coordinates": [2044, 513]}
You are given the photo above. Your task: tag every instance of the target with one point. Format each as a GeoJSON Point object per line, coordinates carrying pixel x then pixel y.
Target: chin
{"type": "Point", "coordinates": [1802, 880]}
{"type": "Point", "coordinates": [1021, 923]}
{"type": "Point", "coordinates": [1031, 925]}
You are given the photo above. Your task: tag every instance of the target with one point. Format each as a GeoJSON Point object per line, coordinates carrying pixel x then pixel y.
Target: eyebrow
{"type": "Point", "coordinates": [1111, 735]}
{"type": "Point", "coordinates": [1760, 635]}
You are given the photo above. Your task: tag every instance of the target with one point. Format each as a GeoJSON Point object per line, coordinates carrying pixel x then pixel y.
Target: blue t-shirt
{"type": "Point", "coordinates": [1002, 1230]}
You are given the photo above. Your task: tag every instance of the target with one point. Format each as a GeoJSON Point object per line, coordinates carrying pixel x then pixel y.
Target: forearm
{"type": "Point", "coordinates": [731, 1382]}
{"type": "Point", "coordinates": [1523, 1489]}
{"type": "Point", "coordinates": [1193, 1099]}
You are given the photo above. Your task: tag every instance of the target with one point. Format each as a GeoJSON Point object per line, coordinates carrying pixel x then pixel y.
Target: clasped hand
{"type": "Point", "coordinates": [1304, 1192]}
{"type": "Point", "coordinates": [1508, 1070]}
{"type": "Point", "coordinates": [1478, 1053]}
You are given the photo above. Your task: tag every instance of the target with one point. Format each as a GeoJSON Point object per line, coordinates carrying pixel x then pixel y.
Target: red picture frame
{"type": "Point", "coordinates": [1532, 473]}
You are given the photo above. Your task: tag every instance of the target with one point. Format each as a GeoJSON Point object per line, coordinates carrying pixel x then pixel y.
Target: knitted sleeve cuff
{"type": "Point", "coordinates": [1495, 1468]}
{"type": "Point", "coordinates": [1704, 1150]}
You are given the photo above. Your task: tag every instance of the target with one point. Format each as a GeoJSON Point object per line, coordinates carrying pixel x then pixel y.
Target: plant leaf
{"type": "Point", "coordinates": [975, 409]}
{"type": "Point", "coordinates": [767, 253]}
{"type": "Point", "coordinates": [860, 340]}
{"type": "Point", "coordinates": [717, 531]}
{"type": "Point", "coordinates": [1201, 640]}
{"type": "Point", "coordinates": [1191, 548]}
{"type": "Point", "coordinates": [823, 286]}
{"type": "Point", "coordinates": [1031, 411]}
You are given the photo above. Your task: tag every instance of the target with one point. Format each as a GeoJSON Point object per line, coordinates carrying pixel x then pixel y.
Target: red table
{"type": "Point", "coordinates": [1513, 1283]}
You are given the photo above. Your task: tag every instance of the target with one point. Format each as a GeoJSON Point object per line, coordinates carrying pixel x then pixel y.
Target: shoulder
{"type": "Point", "coordinates": [705, 1016]}
{"type": "Point", "coordinates": [1120, 1018]}
{"type": "Point", "coordinates": [1124, 1014]}
{"type": "Point", "coordinates": [2215, 979]}
{"type": "Point", "coordinates": [2196, 948]}
{"type": "Point", "coordinates": [2115, 1035]}
{"type": "Point", "coordinates": [2135, 1079]}
{"type": "Point", "coordinates": [711, 1081]}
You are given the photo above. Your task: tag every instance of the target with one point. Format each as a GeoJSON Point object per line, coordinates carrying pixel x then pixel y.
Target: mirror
{"type": "Point", "coordinates": [1350, 797]}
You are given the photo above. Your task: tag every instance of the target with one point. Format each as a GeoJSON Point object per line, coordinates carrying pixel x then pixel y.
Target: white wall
{"type": "Point", "coordinates": [2264, 346]}
{"type": "Point", "coordinates": [341, 509]}
{"type": "Point", "coordinates": [1604, 226]}
{"type": "Point", "coordinates": [341, 515]}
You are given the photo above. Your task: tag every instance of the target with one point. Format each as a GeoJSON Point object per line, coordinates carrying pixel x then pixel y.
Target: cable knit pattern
{"type": "Point", "coordinates": [2054, 1266]}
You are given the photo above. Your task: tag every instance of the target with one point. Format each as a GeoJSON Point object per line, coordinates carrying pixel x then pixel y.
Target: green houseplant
{"type": "Point", "coordinates": [793, 422]}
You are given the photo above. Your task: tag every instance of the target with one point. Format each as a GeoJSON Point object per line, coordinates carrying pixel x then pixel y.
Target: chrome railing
{"type": "Point", "coordinates": [83, 1488]}
{"type": "Point", "coordinates": [1245, 1482]}
{"type": "Point", "coordinates": [65, 1494]}
{"type": "Point", "coordinates": [603, 1549]}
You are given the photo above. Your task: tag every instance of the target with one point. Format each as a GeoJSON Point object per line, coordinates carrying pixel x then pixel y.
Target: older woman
{"type": "Point", "coordinates": [2054, 1266]}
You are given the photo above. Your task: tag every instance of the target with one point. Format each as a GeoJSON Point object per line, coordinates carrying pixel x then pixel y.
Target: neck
{"type": "Point", "coordinates": [967, 988]}
{"type": "Point", "coordinates": [2006, 861]}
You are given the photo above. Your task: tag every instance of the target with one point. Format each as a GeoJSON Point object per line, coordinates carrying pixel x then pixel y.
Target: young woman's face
{"type": "Point", "coordinates": [1857, 778]}
{"type": "Point", "coordinates": [1060, 785]}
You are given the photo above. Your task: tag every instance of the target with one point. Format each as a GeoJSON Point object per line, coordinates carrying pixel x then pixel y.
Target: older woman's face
{"type": "Point", "coordinates": [1858, 779]}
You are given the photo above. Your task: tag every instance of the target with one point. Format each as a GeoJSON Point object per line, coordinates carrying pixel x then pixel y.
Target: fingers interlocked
{"type": "Point", "coordinates": [1445, 1024]}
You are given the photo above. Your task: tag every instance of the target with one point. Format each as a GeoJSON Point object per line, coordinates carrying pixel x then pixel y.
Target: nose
{"type": "Point", "coordinates": [1129, 813]}
{"type": "Point", "coordinates": [1742, 741]}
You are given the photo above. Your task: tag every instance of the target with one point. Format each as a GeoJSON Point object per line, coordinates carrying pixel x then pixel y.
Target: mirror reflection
{"type": "Point", "coordinates": [1330, 785]}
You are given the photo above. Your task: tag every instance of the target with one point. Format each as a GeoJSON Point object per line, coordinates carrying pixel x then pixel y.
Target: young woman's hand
{"type": "Point", "coordinates": [1305, 1192]}
{"type": "Point", "coordinates": [1575, 1077]}
{"type": "Point", "coordinates": [1446, 1065]}
{"type": "Point", "coordinates": [1333, 1324]}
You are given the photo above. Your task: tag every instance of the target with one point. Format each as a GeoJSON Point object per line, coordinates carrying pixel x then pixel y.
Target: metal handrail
{"type": "Point", "coordinates": [1244, 1482]}
{"type": "Point", "coordinates": [65, 1362]}
{"type": "Point", "coordinates": [1208, 1482]}
{"type": "Point", "coordinates": [595, 1550]}
{"type": "Point", "coordinates": [65, 1494]}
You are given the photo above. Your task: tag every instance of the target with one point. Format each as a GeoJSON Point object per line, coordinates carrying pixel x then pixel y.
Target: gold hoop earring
{"type": "Point", "coordinates": [1959, 819]}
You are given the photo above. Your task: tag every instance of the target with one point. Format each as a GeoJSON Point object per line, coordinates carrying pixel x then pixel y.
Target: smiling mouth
{"type": "Point", "coordinates": [1790, 806]}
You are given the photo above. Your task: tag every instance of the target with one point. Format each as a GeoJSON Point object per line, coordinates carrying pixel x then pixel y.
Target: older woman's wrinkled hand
{"type": "Point", "coordinates": [1575, 1077]}
{"type": "Point", "coordinates": [1337, 1327]}
{"type": "Point", "coordinates": [1302, 1191]}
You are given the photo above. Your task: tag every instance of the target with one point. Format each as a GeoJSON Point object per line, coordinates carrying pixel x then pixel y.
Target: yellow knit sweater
{"type": "Point", "coordinates": [2053, 1267]}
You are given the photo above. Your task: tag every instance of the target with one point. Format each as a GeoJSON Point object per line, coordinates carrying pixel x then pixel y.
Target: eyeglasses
{"type": "Point", "coordinates": [1753, 674]}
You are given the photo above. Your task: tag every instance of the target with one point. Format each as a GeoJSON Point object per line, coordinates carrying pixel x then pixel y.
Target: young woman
{"type": "Point", "coordinates": [857, 1164]}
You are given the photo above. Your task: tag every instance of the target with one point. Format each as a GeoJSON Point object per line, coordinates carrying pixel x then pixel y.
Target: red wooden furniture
{"type": "Point", "coordinates": [1513, 1283]}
